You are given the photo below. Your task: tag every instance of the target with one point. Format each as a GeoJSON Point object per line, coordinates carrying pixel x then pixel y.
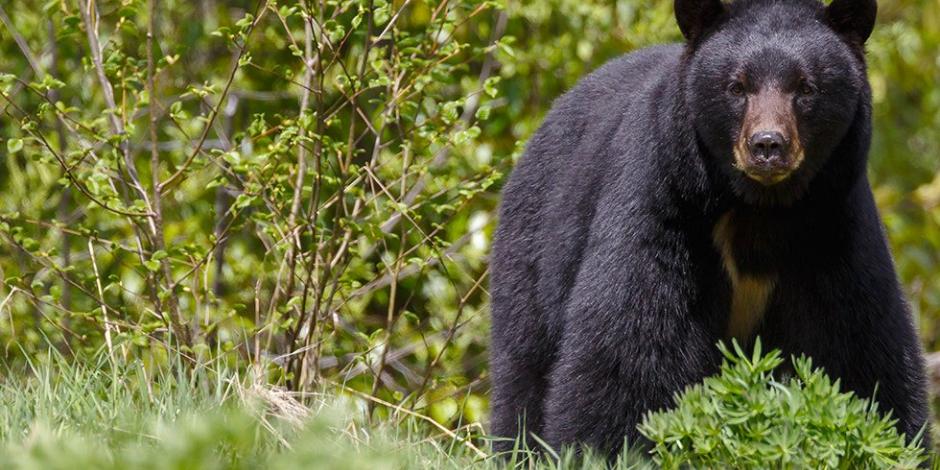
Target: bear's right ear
{"type": "Point", "coordinates": [854, 19]}
{"type": "Point", "coordinates": [696, 16]}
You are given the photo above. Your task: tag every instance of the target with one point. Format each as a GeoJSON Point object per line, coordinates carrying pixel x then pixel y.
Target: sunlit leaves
{"type": "Point", "coordinates": [748, 416]}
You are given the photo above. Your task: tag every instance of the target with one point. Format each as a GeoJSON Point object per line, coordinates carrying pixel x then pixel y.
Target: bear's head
{"type": "Point", "coordinates": [773, 86]}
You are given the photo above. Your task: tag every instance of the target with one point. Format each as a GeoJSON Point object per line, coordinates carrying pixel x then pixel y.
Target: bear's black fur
{"type": "Point", "coordinates": [641, 217]}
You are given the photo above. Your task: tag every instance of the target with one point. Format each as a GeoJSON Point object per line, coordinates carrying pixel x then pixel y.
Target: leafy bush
{"type": "Point", "coordinates": [293, 185]}
{"type": "Point", "coordinates": [745, 418]}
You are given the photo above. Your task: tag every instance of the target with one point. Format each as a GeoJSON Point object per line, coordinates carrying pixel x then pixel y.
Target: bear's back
{"type": "Point", "coordinates": [598, 130]}
{"type": "Point", "coordinates": [574, 140]}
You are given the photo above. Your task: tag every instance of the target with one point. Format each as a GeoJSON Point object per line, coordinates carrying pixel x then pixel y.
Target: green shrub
{"type": "Point", "coordinates": [746, 417]}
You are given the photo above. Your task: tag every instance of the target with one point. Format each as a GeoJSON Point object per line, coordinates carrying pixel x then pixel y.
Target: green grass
{"type": "Point", "coordinates": [112, 414]}
{"type": "Point", "coordinates": [64, 415]}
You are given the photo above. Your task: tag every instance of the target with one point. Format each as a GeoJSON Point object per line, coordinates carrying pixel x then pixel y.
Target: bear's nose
{"type": "Point", "coordinates": [767, 146]}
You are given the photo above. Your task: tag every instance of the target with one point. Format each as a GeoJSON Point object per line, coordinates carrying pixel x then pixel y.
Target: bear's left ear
{"type": "Point", "coordinates": [696, 16]}
{"type": "Point", "coordinates": [854, 19]}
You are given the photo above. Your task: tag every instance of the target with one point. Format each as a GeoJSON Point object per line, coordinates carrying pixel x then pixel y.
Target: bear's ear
{"type": "Point", "coordinates": [854, 19]}
{"type": "Point", "coordinates": [696, 16]}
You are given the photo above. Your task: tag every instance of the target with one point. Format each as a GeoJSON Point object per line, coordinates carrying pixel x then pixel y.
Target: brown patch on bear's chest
{"type": "Point", "coordinates": [750, 293]}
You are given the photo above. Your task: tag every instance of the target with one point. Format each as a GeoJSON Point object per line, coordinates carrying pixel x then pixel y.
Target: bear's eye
{"type": "Point", "coordinates": [806, 89]}
{"type": "Point", "coordinates": [736, 88]}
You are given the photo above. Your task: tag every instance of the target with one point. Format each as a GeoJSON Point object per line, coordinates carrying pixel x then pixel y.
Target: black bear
{"type": "Point", "coordinates": [685, 194]}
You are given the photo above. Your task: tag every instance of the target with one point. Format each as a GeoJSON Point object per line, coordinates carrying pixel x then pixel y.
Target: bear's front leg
{"type": "Point", "coordinates": [841, 304]}
{"type": "Point", "coordinates": [854, 324]}
{"type": "Point", "coordinates": [630, 341]}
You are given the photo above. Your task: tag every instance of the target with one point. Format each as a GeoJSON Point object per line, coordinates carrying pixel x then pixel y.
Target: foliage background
{"type": "Point", "coordinates": [306, 189]}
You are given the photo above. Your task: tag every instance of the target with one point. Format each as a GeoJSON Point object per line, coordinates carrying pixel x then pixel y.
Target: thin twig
{"type": "Point", "coordinates": [104, 307]}
{"type": "Point", "coordinates": [399, 409]}
{"type": "Point", "coordinates": [259, 13]}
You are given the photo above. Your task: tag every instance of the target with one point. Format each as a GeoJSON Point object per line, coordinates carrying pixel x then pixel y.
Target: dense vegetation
{"type": "Point", "coordinates": [745, 417]}
{"type": "Point", "coordinates": [300, 193]}
{"type": "Point", "coordinates": [63, 415]}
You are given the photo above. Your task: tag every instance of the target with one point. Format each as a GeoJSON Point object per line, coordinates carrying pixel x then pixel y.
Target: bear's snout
{"type": "Point", "coordinates": [768, 149]}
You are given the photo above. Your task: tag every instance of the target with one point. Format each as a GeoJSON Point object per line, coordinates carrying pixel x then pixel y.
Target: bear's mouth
{"type": "Point", "coordinates": [767, 172]}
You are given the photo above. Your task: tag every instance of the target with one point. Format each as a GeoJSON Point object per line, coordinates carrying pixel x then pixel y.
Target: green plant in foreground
{"type": "Point", "coordinates": [746, 417]}
{"type": "Point", "coordinates": [62, 413]}
{"type": "Point", "coordinates": [90, 413]}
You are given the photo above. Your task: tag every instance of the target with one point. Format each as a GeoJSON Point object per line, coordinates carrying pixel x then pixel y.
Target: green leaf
{"type": "Point", "coordinates": [14, 145]}
{"type": "Point", "coordinates": [152, 265]}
